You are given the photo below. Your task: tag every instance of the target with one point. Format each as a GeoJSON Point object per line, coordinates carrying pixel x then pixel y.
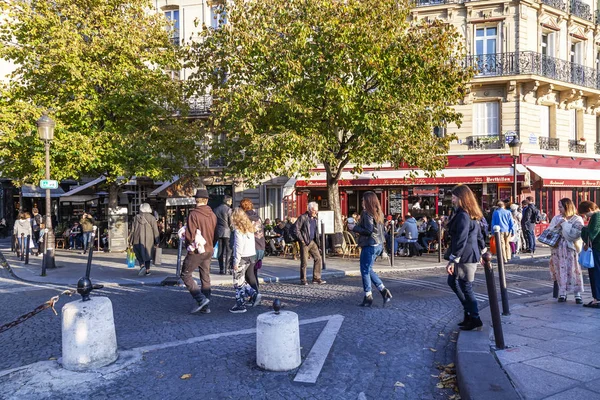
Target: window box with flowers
{"type": "Point", "coordinates": [581, 140]}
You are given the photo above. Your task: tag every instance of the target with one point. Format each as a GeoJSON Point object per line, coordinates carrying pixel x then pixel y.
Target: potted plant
{"type": "Point", "coordinates": [581, 140]}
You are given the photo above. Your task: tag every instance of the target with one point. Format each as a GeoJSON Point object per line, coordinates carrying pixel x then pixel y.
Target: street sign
{"type": "Point", "coordinates": [48, 184]}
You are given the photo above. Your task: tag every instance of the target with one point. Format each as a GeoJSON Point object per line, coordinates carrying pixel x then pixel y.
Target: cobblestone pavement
{"type": "Point", "coordinates": [386, 353]}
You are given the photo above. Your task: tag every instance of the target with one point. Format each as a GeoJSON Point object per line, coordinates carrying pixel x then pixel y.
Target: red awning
{"type": "Point", "coordinates": [564, 177]}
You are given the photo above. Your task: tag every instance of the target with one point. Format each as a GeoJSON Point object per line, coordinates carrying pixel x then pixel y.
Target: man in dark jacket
{"type": "Point", "coordinates": [306, 231]}
{"type": "Point", "coordinates": [222, 234]}
{"type": "Point", "coordinates": [204, 220]}
{"type": "Point", "coordinates": [530, 217]}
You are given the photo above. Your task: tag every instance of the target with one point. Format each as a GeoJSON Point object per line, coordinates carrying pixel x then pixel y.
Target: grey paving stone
{"type": "Point", "coordinates": [518, 354]}
{"type": "Point", "coordinates": [534, 383]}
{"type": "Point", "coordinates": [558, 346]}
{"type": "Point", "coordinates": [586, 355]}
{"type": "Point", "coordinates": [594, 386]}
{"type": "Point", "coordinates": [512, 340]}
{"type": "Point", "coordinates": [566, 368]}
{"type": "Point", "coordinates": [543, 332]}
{"type": "Point", "coordinates": [575, 394]}
{"type": "Point", "coordinates": [578, 327]}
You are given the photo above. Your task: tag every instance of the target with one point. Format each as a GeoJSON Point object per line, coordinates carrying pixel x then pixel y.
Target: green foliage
{"type": "Point", "coordinates": [337, 82]}
{"type": "Point", "coordinates": [101, 68]}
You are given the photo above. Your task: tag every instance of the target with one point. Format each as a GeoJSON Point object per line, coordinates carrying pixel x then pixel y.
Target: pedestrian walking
{"type": "Point", "coordinates": [306, 231]}
{"type": "Point", "coordinates": [36, 227]}
{"type": "Point", "coordinates": [200, 227]}
{"type": "Point", "coordinates": [464, 255]}
{"type": "Point", "coordinates": [515, 240]}
{"type": "Point", "coordinates": [144, 235]}
{"type": "Point", "coordinates": [259, 239]}
{"type": "Point", "coordinates": [564, 266]}
{"type": "Point", "coordinates": [591, 236]}
{"type": "Point", "coordinates": [531, 216]}
{"type": "Point", "coordinates": [503, 218]}
{"type": "Point", "coordinates": [223, 233]}
{"type": "Point", "coordinates": [371, 240]}
{"type": "Point", "coordinates": [87, 227]}
{"type": "Point", "coordinates": [244, 258]}
{"type": "Point", "coordinates": [22, 227]}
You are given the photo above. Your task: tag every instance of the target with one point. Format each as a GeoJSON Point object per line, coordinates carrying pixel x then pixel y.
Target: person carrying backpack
{"type": "Point", "coordinates": [531, 216]}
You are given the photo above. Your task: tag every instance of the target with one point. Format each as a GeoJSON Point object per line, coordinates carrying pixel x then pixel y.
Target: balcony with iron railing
{"type": "Point", "coordinates": [551, 144]}
{"type": "Point", "coordinates": [576, 146]}
{"type": "Point", "coordinates": [200, 106]}
{"type": "Point", "coordinates": [484, 142]}
{"type": "Point", "coordinates": [558, 4]}
{"type": "Point", "coordinates": [532, 63]}
{"type": "Point", "coordinates": [581, 10]}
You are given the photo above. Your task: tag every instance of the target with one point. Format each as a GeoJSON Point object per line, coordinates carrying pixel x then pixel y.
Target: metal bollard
{"type": "Point", "coordinates": [439, 221]}
{"type": "Point", "coordinates": [44, 258]}
{"type": "Point", "coordinates": [27, 243]}
{"type": "Point", "coordinates": [85, 286]}
{"type": "Point", "coordinates": [393, 240]}
{"type": "Point", "coordinates": [501, 273]}
{"type": "Point", "coordinates": [495, 311]}
{"type": "Point", "coordinates": [323, 245]}
{"type": "Point", "coordinates": [13, 239]}
{"type": "Point", "coordinates": [555, 290]}
{"type": "Point", "coordinates": [22, 247]}
{"type": "Point", "coordinates": [176, 280]}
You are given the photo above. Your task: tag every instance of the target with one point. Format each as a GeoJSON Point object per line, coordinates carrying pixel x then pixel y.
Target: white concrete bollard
{"type": "Point", "coordinates": [278, 341]}
{"type": "Point", "coordinates": [89, 339]}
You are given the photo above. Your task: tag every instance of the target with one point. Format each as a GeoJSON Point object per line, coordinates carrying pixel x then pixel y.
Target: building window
{"type": "Point", "coordinates": [439, 131]}
{"type": "Point", "coordinates": [173, 18]}
{"type": "Point", "coordinates": [273, 203]}
{"type": "Point", "coordinates": [485, 49]}
{"type": "Point", "coordinates": [218, 17]}
{"type": "Point", "coordinates": [486, 118]}
{"type": "Point", "coordinates": [597, 129]}
{"type": "Point", "coordinates": [548, 44]}
{"type": "Point", "coordinates": [573, 124]}
{"type": "Point", "coordinates": [545, 121]}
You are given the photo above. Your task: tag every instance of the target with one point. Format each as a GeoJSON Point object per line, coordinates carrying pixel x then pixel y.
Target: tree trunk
{"type": "Point", "coordinates": [333, 196]}
{"type": "Point", "coordinates": [113, 196]}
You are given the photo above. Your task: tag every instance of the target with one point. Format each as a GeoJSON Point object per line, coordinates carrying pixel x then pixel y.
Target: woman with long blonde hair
{"type": "Point", "coordinates": [371, 240]}
{"type": "Point", "coordinates": [243, 259]}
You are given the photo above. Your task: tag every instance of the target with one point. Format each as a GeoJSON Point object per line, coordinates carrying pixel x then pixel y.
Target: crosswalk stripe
{"type": "Point", "coordinates": [434, 286]}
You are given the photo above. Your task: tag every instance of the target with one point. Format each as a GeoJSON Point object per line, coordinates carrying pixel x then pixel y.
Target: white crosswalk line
{"type": "Point", "coordinates": [435, 286]}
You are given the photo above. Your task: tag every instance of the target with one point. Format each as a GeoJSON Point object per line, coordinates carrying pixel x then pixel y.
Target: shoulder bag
{"type": "Point", "coordinates": [586, 258]}
{"type": "Point", "coordinates": [550, 237]}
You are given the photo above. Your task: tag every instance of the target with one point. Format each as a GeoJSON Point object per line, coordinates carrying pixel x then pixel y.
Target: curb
{"type": "Point", "coordinates": [479, 375]}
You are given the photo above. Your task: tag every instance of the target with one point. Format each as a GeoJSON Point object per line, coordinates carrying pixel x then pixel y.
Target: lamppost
{"type": "Point", "coordinates": [515, 152]}
{"type": "Point", "coordinates": [45, 128]}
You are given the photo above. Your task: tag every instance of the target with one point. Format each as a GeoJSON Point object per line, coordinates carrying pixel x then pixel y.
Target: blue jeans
{"type": "Point", "coordinates": [529, 239]}
{"type": "Point", "coordinates": [465, 294]}
{"type": "Point", "coordinates": [368, 255]}
{"type": "Point", "coordinates": [595, 275]}
{"type": "Point", "coordinates": [86, 240]}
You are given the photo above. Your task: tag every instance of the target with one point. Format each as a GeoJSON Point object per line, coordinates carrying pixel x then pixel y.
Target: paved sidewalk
{"type": "Point", "coordinates": [552, 352]}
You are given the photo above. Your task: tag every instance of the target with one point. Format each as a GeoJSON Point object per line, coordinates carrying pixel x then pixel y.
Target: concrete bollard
{"type": "Point", "coordinates": [89, 339]}
{"type": "Point", "coordinates": [278, 341]}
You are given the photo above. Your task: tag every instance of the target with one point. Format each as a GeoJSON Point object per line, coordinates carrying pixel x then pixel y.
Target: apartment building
{"type": "Point", "coordinates": [537, 77]}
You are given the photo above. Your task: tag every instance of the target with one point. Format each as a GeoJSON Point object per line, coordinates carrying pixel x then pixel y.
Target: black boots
{"type": "Point", "coordinates": [367, 301]}
{"type": "Point", "coordinates": [465, 320]}
{"type": "Point", "coordinates": [472, 323]}
{"type": "Point", "coordinates": [387, 296]}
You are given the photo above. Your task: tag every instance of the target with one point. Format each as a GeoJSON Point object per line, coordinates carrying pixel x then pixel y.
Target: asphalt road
{"type": "Point", "coordinates": [384, 353]}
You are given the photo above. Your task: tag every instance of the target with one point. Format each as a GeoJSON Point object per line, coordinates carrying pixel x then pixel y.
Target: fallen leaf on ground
{"type": "Point", "coordinates": [52, 359]}
{"type": "Point", "coordinates": [439, 386]}
{"type": "Point", "coordinates": [441, 334]}
{"type": "Point", "coordinates": [432, 349]}
{"type": "Point", "coordinates": [410, 375]}
{"type": "Point", "coordinates": [399, 384]}
{"type": "Point", "coordinates": [383, 353]}
{"type": "Point", "coordinates": [186, 376]}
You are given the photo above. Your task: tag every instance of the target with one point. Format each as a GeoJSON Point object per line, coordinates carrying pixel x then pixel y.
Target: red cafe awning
{"type": "Point", "coordinates": [449, 176]}
{"type": "Point", "coordinates": [567, 177]}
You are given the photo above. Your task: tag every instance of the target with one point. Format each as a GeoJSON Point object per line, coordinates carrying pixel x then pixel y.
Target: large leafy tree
{"type": "Point", "coordinates": [101, 67]}
{"type": "Point", "coordinates": [342, 83]}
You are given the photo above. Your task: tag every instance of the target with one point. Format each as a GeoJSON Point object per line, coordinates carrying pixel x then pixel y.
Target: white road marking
{"type": "Point", "coordinates": [311, 367]}
{"type": "Point", "coordinates": [433, 285]}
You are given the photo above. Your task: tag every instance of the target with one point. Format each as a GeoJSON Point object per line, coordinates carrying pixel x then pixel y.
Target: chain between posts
{"type": "Point", "coordinates": [49, 304]}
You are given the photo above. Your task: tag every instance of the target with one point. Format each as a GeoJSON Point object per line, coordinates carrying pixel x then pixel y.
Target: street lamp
{"type": "Point", "coordinates": [515, 152]}
{"type": "Point", "coordinates": [45, 128]}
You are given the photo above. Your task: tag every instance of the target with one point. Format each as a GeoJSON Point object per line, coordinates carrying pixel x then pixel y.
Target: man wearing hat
{"type": "Point", "coordinates": [200, 219]}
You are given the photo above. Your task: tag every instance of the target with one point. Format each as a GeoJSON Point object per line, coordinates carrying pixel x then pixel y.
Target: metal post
{"type": "Point", "coordinates": [501, 273]}
{"type": "Point", "coordinates": [393, 242]}
{"type": "Point", "coordinates": [439, 221]}
{"type": "Point", "coordinates": [13, 248]}
{"type": "Point", "coordinates": [515, 179]}
{"type": "Point", "coordinates": [89, 261]}
{"type": "Point", "coordinates": [50, 234]}
{"type": "Point", "coordinates": [323, 244]}
{"type": "Point", "coordinates": [44, 254]}
{"type": "Point", "coordinates": [176, 280]}
{"type": "Point", "coordinates": [27, 241]}
{"type": "Point", "coordinates": [493, 297]}
{"type": "Point", "coordinates": [22, 246]}
{"type": "Point", "coordinates": [555, 290]}
{"type": "Point", "coordinates": [179, 251]}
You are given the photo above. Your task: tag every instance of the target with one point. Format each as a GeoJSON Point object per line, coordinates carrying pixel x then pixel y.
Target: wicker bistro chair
{"type": "Point", "coordinates": [351, 248]}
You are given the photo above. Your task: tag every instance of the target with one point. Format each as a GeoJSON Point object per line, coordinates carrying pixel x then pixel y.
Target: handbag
{"type": "Point", "coordinates": [493, 245]}
{"type": "Point", "coordinates": [549, 237]}
{"type": "Point", "coordinates": [586, 257]}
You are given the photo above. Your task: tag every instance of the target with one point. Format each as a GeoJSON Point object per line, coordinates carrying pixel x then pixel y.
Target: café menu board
{"type": "Point", "coordinates": [395, 201]}
{"type": "Point", "coordinates": [118, 229]}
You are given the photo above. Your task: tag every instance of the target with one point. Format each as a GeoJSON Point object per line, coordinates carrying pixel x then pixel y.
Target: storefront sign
{"type": "Point", "coordinates": [571, 183]}
{"type": "Point", "coordinates": [441, 180]}
{"type": "Point", "coordinates": [425, 191]}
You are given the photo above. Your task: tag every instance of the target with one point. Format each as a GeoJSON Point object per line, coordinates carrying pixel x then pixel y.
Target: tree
{"type": "Point", "coordinates": [102, 69]}
{"type": "Point", "coordinates": [340, 83]}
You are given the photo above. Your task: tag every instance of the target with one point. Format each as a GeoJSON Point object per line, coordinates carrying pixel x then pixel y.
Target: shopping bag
{"type": "Point", "coordinates": [493, 245]}
{"type": "Point", "coordinates": [549, 237]}
{"type": "Point", "coordinates": [216, 251]}
{"type": "Point", "coordinates": [130, 257]}
{"type": "Point", "coordinates": [586, 258]}
{"type": "Point", "coordinates": [156, 255]}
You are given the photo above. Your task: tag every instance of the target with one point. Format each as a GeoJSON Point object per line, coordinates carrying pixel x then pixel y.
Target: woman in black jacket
{"type": "Point", "coordinates": [371, 240]}
{"type": "Point", "coordinates": [466, 246]}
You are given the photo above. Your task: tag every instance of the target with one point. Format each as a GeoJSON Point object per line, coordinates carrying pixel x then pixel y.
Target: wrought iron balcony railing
{"type": "Point", "coordinates": [547, 143]}
{"type": "Point", "coordinates": [597, 148]}
{"type": "Point", "coordinates": [581, 10]}
{"type": "Point", "coordinates": [575, 146]}
{"type": "Point", "coordinates": [483, 142]}
{"type": "Point", "coordinates": [200, 106]}
{"type": "Point", "coordinates": [559, 4]}
{"type": "Point", "coordinates": [425, 3]}
{"type": "Point", "coordinates": [530, 62]}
